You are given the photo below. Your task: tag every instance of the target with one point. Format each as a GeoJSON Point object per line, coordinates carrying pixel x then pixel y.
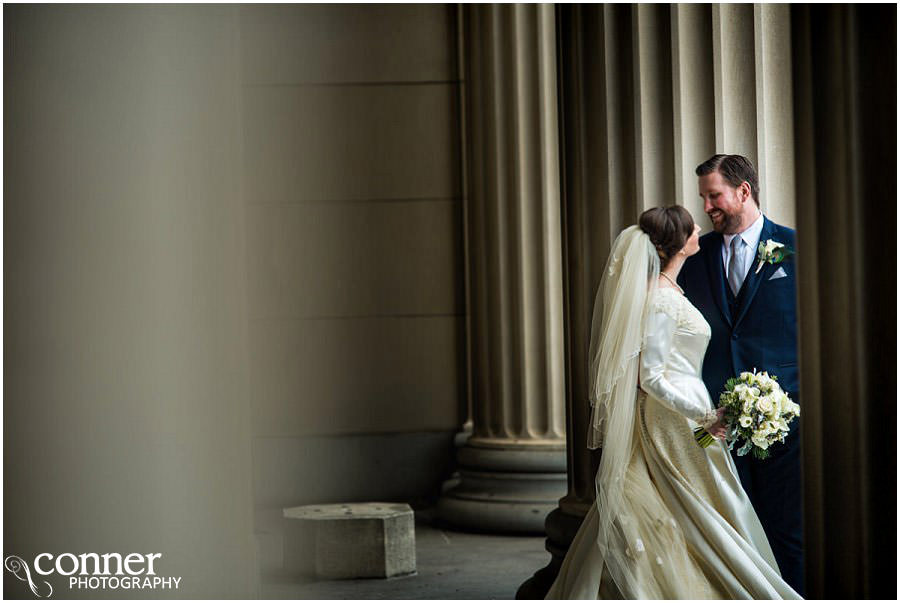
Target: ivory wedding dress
{"type": "Point", "coordinates": [684, 527]}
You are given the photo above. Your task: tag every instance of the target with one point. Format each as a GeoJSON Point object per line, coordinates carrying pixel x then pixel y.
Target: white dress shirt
{"type": "Point", "coordinates": [751, 237]}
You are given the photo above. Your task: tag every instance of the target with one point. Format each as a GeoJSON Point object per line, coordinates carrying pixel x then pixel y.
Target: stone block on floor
{"type": "Point", "coordinates": [357, 540]}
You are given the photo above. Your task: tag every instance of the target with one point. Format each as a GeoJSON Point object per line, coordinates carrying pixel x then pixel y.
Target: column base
{"type": "Point", "coordinates": [561, 529]}
{"type": "Point", "coordinates": [509, 490]}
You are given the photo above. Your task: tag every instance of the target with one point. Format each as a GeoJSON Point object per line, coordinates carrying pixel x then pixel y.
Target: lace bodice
{"type": "Point", "coordinates": [676, 337]}
{"type": "Point", "coordinates": [683, 312]}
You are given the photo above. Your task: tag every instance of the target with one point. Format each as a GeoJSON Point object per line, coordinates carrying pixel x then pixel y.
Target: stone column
{"type": "Point", "coordinates": [513, 467]}
{"type": "Point", "coordinates": [601, 198]}
{"type": "Point", "coordinates": [126, 391]}
{"type": "Point", "coordinates": [846, 151]}
{"type": "Point", "coordinates": [692, 105]}
{"type": "Point", "coordinates": [734, 77]}
{"type": "Point", "coordinates": [774, 112]}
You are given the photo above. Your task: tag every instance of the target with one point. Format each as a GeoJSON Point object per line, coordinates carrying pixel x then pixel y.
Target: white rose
{"type": "Point", "coordinates": [747, 376]}
{"type": "Point", "coordinates": [782, 425]}
{"type": "Point", "coordinates": [745, 421]}
{"type": "Point", "coordinates": [764, 405]}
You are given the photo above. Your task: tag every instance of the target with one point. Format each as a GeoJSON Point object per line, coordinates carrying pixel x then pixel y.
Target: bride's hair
{"type": "Point", "coordinates": [669, 228]}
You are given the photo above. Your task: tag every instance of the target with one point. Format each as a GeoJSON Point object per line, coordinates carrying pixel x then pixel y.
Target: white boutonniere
{"type": "Point", "coordinates": [772, 252]}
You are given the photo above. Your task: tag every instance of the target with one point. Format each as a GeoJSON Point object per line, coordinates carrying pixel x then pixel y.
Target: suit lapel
{"type": "Point", "coordinates": [753, 280]}
{"type": "Point", "coordinates": [717, 274]}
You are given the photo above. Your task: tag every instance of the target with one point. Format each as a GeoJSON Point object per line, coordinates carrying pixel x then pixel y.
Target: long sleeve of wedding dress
{"type": "Point", "coordinates": [659, 353]}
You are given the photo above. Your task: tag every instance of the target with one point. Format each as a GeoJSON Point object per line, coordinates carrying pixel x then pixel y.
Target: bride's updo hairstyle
{"type": "Point", "coordinates": [669, 228]}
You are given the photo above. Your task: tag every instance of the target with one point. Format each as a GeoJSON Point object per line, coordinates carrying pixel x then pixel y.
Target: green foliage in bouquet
{"type": "Point", "coordinates": [757, 414]}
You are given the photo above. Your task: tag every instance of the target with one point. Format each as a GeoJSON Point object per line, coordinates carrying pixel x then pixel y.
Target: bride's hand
{"type": "Point", "coordinates": [717, 429]}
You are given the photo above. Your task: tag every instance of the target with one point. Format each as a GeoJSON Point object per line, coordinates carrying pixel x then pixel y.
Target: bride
{"type": "Point", "coordinates": [671, 520]}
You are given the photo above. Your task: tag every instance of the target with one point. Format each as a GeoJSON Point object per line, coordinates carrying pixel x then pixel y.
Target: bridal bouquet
{"type": "Point", "coordinates": [757, 412]}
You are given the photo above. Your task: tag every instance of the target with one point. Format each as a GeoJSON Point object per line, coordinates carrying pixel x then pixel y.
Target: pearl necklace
{"type": "Point", "coordinates": [669, 278]}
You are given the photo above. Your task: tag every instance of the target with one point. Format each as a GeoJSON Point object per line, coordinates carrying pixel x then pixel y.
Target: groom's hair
{"type": "Point", "coordinates": [735, 169]}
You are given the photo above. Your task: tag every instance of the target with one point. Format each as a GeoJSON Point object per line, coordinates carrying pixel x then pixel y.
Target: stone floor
{"type": "Point", "coordinates": [451, 565]}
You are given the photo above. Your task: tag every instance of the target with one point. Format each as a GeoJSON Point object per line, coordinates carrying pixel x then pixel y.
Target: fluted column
{"type": "Point", "coordinates": [512, 468]}
{"type": "Point", "coordinates": [753, 109]}
{"type": "Point", "coordinates": [846, 145]}
{"type": "Point", "coordinates": [693, 110]}
{"type": "Point", "coordinates": [774, 111]}
{"type": "Point", "coordinates": [734, 73]}
{"type": "Point", "coordinates": [603, 121]}
{"type": "Point", "coordinates": [638, 116]}
{"type": "Point", "coordinates": [653, 105]}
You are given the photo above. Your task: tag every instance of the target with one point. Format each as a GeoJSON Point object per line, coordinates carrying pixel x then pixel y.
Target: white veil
{"type": "Point", "coordinates": [626, 516]}
{"type": "Point", "coordinates": [643, 549]}
{"type": "Point", "coordinates": [617, 335]}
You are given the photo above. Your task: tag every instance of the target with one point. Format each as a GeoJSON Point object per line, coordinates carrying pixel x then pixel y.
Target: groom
{"type": "Point", "coordinates": [753, 315]}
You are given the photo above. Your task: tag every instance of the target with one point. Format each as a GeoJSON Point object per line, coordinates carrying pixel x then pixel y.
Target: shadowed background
{"type": "Point", "coordinates": [232, 244]}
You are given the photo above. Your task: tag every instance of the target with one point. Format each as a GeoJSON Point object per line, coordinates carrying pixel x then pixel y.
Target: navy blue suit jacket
{"type": "Point", "coordinates": [761, 332]}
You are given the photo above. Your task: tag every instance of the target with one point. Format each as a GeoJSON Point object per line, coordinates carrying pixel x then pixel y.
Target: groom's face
{"type": "Point", "coordinates": [722, 202]}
